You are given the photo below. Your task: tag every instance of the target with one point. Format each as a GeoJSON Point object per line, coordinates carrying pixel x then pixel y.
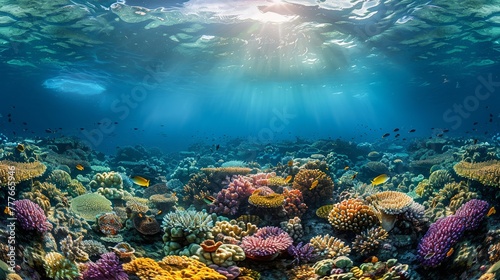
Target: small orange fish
{"type": "Point", "coordinates": [288, 179]}
{"type": "Point", "coordinates": [346, 168]}
{"type": "Point", "coordinates": [79, 167]}
{"type": "Point", "coordinates": [372, 259]}
{"type": "Point", "coordinates": [491, 211]}
{"type": "Point", "coordinates": [290, 163]}
{"type": "Point", "coordinates": [450, 252]}
{"type": "Point", "coordinates": [20, 148]}
{"type": "Point", "coordinates": [141, 181]}
{"type": "Point", "coordinates": [313, 185]}
{"type": "Point", "coordinates": [354, 176]}
{"type": "Point", "coordinates": [8, 211]}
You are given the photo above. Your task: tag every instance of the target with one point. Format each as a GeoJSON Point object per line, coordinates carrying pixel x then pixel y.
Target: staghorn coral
{"type": "Point", "coordinates": [171, 268]}
{"type": "Point", "coordinates": [16, 172]}
{"type": "Point", "coordinates": [266, 244]}
{"type": "Point", "coordinates": [73, 250]}
{"type": "Point", "coordinates": [324, 211]}
{"type": "Point", "coordinates": [487, 172]}
{"type": "Point", "coordinates": [262, 199]}
{"type": "Point", "coordinates": [233, 229]}
{"type": "Point", "coordinates": [88, 206]}
{"type": "Point", "coordinates": [389, 204]}
{"type": "Point", "coordinates": [326, 246]}
{"type": "Point", "coordinates": [315, 185]}
{"type": "Point", "coordinates": [60, 268]}
{"type": "Point", "coordinates": [369, 240]}
{"type": "Point", "coordinates": [352, 215]}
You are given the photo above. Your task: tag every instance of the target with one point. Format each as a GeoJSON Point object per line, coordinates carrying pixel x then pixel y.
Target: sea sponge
{"type": "Point", "coordinates": [16, 172]}
{"type": "Point", "coordinates": [60, 268]}
{"type": "Point", "coordinates": [261, 199]}
{"type": "Point", "coordinates": [316, 186]}
{"type": "Point", "coordinates": [487, 172]}
{"type": "Point", "coordinates": [352, 215]}
{"type": "Point", "coordinates": [326, 246]}
{"type": "Point", "coordinates": [90, 205]}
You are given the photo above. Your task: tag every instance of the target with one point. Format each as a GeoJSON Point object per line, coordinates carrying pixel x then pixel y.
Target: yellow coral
{"type": "Point", "coordinates": [277, 181]}
{"type": "Point", "coordinates": [16, 172]}
{"type": "Point", "coordinates": [253, 219]}
{"type": "Point", "coordinates": [171, 268]}
{"type": "Point", "coordinates": [303, 272]}
{"type": "Point", "coordinates": [234, 229]}
{"type": "Point", "coordinates": [487, 173]}
{"type": "Point", "coordinates": [88, 206]}
{"type": "Point", "coordinates": [324, 210]}
{"type": "Point", "coordinates": [353, 215]}
{"type": "Point", "coordinates": [326, 245]}
{"type": "Point", "coordinates": [272, 200]}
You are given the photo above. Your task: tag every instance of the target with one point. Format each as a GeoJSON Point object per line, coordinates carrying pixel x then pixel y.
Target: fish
{"type": "Point", "coordinates": [217, 147]}
{"type": "Point", "coordinates": [290, 163]}
{"type": "Point", "coordinates": [385, 135]}
{"type": "Point", "coordinates": [475, 141]}
{"type": "Point", "coordinates": [396, 129]}
{"type": "Point", "coordinates": [346, 168]}
{"type": "Point", "coordinates": [380, 179]}
{"type": "Point", "coordinates": [372, 259]}
{"type": "Point", "coordinates": [313, 185]}
{"type": "Point", "coordinates": [445, 130]}
{"type": "Point", "coordinates": [354, 176]}
{"type": "Point", "coordinates": [491, 211]}
{"type": "Point", "coordinates": [159, 212]}
{"type": "Point", "coordinates": [8, 211]}
{"type": "Point", "coordinates": [288, 179]}
{"type": "Point", "coordinates": [141, 181]}
{"type": "Point", "coordinates": [20, 147]}
{"type": "Point", "coordinates": [450, 252]}
{"type": "Point", "coordinates": [140, 215]}
{"type": "Point", "coordinates": [397, 135]}
{"type": "Point", "coordinates": [79, 167]}
{"type": "Point", "coordinates": [413, 130]}
{"type": "Point", "coordinates": [475, 123]}
{"type": "Point", "coordinates": [208, 199]}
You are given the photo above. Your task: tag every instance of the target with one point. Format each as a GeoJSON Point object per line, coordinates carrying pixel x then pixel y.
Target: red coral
{"type": "Point", "coordinates": [294, 203]}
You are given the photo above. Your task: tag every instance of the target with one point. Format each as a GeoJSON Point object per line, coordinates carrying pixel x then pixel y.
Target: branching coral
{"type": "Point", "coordinates": [73, 249]}
{"type": "Point", "coordinates": [327, 246]}
{"type": "Point", "coordinates": [369, 240]}
{"type": "Point", "coordinates": [487, 172]}
{"type": "Point", "coordinates": [16, 172]}
{"type": "Point", "coordinates": [228, 200]}
{"type": "Point", "coordinates": [352, 215]}
{"type": "Point", "coordinates": [316, 186]}
{"type": "Point", "coordinates": [106, 268]}
{"type": "Point", "coordinates": [30, 216]}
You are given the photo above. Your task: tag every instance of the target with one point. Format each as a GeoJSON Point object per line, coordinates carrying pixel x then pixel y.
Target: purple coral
{"type": "Point", "coordinates": [439, 239]}
{"type": "Point", "coordinates": [266, 244]}
{"type": "Point", "coordinates": [474, 212]}
{"type": "Point", "coordinates": [31, 216]}
{"type": "Point", "coordinates": [106, 268]}
{"type": "Point", "coordinates": [228, 200]}
{"type": "Point", "coordinates": [301, 252]}
{"type": "Point", "coordinates": [230, 272]}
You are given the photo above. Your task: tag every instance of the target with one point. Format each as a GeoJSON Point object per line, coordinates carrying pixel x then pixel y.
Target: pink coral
{"type": "Point", "coordinates": [266, 244]}
{"type": "Point", "coordinates": [228, 200]}
{"type": "Point", "coordinates": [262, 179]}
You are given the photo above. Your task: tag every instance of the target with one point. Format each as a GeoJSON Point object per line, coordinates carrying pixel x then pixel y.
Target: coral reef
{"type": "Point", "coordinates": [301, 253]}
{"type": "Point", "coordinates": [369, 240]}
{"type": "Point", "coordinates": [352, 215]}
{"type": "Point", "coordinates": [326, 246]}
{"type": "Point", "coordinates": [389, 204]}
{"type": "Point", "coordinates": [30, 216]}
{"type": "Point", "coordinates": [73, 250]}
{"type": "Point", "coordinates": [108, 223]}
{"type": "Point", "coordinates": [293, 227]}
{"type": "Point", "coordinates": [90, 205]}
{"type": "Point", "coordinates": [263, 199]}
{"type": "Point", "coordinates": [232, 231]}
{"type": "Point", "coordinates": [266, 244]}
{"type": "Point", "coordinates": [294, 203]}
{"type": "Point", "coordinates": [228, 200]}
{"type": "Point", "coordinates": [146, 225]}
{"type": "Point", "coordinates": [315, 185]}
{"type": "Point", "coordinates": [487, 173]}
{"type": "Point", "coordinates": [17, 172]}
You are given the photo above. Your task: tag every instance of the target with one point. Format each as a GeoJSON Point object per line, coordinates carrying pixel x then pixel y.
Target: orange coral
{"type": "Point", "coordinates": [389, 204]}
{"type": "Point", "coordinates": [16, 172]}
{"type": "Point", "coordinates": [260, 198]}
{"type": "Point", "coordinates": [210, 245]}
{"type": "Point", "coordinates": [314, 184]}
{"type": "Point", "coordinates": [353, 215]}
{"type": "Point", "coordinates": [487, 172]}
{"type": "Point", "coordinates": [171, 268]}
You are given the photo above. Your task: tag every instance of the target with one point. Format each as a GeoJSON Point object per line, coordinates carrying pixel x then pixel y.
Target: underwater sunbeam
{"type": "Point", "coordinates": [72, 85]}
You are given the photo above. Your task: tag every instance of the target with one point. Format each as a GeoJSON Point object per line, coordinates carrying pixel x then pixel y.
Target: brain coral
{"type": "Point", "coordinates": [487, 173]}
{"type": "Point", "coordinates": [316, 186]}
{"type": "Point", "coordinates": [16, 172]}
{"type": "Point", "coordinates": [352, 215]}
{"type": "Point", "coordinates": [88, 206]}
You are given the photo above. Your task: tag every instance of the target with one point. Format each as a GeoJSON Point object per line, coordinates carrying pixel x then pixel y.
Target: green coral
{"type": "Point", "coordinates": [60, 268]}
{"type": "Point", "coordinates": [107, 180]}
{"type": "Point", "coordinates": [88, 206]}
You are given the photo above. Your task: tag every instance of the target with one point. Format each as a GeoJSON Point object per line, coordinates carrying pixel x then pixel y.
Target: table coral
{"type": "Point", "coordinates": [389, 204]}
{"type": "Point", "coordinates": [171, 268]}
{"type": "Point", "coordinates": [30, 216]}
{"type": "Point", "coordinates": [11, 171]}
{"type": "Point", "coordinates": [352, 215]}
{"type": "Point", "coordinates": [487, 172]}
{"type": "Point", "coordinates": [316, 186]}
{"type": "Point", "coordinates": [90, 205]}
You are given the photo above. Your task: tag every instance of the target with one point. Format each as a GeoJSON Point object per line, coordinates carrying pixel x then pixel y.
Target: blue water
{"type": "Point", "coordinates": [213, 70]}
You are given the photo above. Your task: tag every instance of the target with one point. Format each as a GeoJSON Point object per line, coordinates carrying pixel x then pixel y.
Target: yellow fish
{"type": "Point", "coordinates": [346, 168]}
{"type": "Point", "coordinates": [313, 185]}
{"type": "Point", "coordinates": [288, 178]}
{"type": "Point", "coordinates": [380, 179]}
{"type": "Point", "coordinates": [79, 167]}
{"type": "Point", "coordinates": [20, 148]}
{"type": "Point", "coordinates": [141, 181]}
{"type": "Point", "coordinates": [491, 211]}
